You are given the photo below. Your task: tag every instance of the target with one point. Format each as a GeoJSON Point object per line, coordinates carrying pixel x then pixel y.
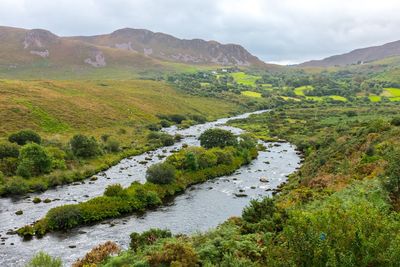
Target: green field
{"type": "Point", "coordinates": [251, 94]}
{"type": "Point", "coordinates": [300, 90]}
{"type": "Point", "coordinates": [245, 79]}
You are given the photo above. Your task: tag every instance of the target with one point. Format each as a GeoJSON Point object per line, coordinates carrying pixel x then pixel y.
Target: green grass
{"type": "Point", "coordinates": [251, 94]}
{"type": "Point", "coordinates": [245, 79]}
{"type": "Point", "coordinates": [391, 92]}
{"type": "Point", "coordinates": [338, 98]}
{"type": "Point", "coordinates": [300, 90]}
{"type": "Point", "coordinates": [375, 98]}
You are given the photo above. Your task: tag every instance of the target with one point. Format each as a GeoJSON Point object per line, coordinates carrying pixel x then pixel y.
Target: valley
{"type": "Point", "coordinates": [138, 148]}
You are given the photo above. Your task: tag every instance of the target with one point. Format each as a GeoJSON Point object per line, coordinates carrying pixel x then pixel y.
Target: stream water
{"type": "Point", "coordinates": [200, 208]}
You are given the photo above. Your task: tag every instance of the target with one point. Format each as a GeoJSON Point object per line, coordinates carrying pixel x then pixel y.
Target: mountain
{"type": "Point", "coordinates": [166, 47]}
{"type": "Point", "coordinates": [358, 56]}
{"type": "Point", "coordinates": [37, 49]}
{"type": "Point", "coordinates": [21, 48]}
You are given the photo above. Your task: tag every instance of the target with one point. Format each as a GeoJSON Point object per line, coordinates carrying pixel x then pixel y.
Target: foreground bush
{"type": "Point", "coordinates": [175, 253]}
{"type": "Point", "coordinates": [98, 254]}
{"type": "Point", "coordinates": [24, 137]}
{"type": "Point", "coordinates": [147, 238]}
{"type": "Point", "coordinates": [42, 259]}
{"type": "Point", "coordinates": [160, 173]}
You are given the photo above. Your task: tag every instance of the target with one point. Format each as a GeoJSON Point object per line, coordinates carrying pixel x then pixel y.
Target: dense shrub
{"type": "Point", "coordinates": [217, 138]}
{"type": "Point", "coordinates": [8, 166]}
{"type": "Point", "coordinates": [112, 145]}
{"type": "Point", "coordinates": [98, 254]}
{"type": "Point", "coordinates": [33, 160]}
{"type": "Point", "coordinates": [161, 138]}
{"type": "Point", "coordinates": [9, 150]}
{"type": "Point", "coordinates": [148, 237]}
{"type": "Point", "coordinates": [114, 190]}
{"type": "Point", "coordinates": [177, 253]}
{"type": "Point", "coordinates": [42, 259]}
{"type": "Point", "coordinates": [395, 121]}
{"type": "Point", "coordinates": [83, 146]}
{"type": "Point", "coordinates": [25, 136]}
{"type": "Point", "coordinates": [161, 173]}
{"type": "Point", "coordinates": [177, 118]}
{"type": "Point", "coordinates": [16, 186]}
{"type": "Point", "coordinates": [154, 127]}
{"type": "Point", "coordinates": [64, 217]}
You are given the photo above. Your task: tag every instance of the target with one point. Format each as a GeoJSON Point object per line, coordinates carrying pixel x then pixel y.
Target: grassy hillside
{"type": "Point", "coordinates": [65, 107]}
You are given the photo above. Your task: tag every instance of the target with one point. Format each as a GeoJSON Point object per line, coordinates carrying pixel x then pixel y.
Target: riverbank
{"type": "Point", "coordinates": [139, 197]}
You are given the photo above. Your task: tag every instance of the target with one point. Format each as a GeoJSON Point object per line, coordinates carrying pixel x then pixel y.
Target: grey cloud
{"type": "Point", "coordinates": [274, 30]}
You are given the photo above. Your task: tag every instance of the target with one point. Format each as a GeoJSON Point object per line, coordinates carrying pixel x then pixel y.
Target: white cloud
{"type": "Point", "coordinates": [275, 30]}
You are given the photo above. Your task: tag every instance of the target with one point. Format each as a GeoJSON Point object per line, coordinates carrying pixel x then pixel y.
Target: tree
{"type": "Point", "coordinates": [161, 173]}
{"type": "Point", "coordinates": [33, 160]}
{"type": "Point", "coordinates": [23, 137]}
{"type": "Point", "coordinates": [83, 146]}
{"type": "Point", "coordinates": [217, 138]}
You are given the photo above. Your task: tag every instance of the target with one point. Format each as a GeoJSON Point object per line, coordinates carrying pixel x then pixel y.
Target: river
{"type": "Point", "coordinates": [200, 208]}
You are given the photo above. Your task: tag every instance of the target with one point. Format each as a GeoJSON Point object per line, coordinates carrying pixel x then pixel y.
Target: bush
{"type": "Point", "coordinates": [395, 121]}
{"type": "Point", "coordinates": [8, 166]}
{"type": "Point", "coordinates": [165, 123]}
{"type": "Point", "coordinates": [64, 217]}
{"type": "Point", "coordinates": [176, 253]}
{"type": "Point", "coordinates": [24, 137]}
{"type": "Point", "coordinates": [16, 186]}
{"type": "Point", "coordinates": [177, 118]}
{"type": "Point", "coordinates": [112, 145]}
{"type": "Point", "coordinates": [160, 173]}
{"type": "Point", "coordinates": [114, 190]}
{"type": "Point", "coordinates": [9, 150]}
{"type": "Point", "coordinates": [98, 254]}
{"type": "Point", "coordinates": [148, 237]}
{"type": "Point", "coordinates": [167, 140]}
{"type": "Point", "coordinates": [154, 127]}
{"type": "Point", "coordinates": [83, 146]}
{"type": "Point", "coordinates": [42, 259]}
{"type": "Point", "coordinates": [33, 160]}
{"type": "Point", "coordinates": [217, 138]}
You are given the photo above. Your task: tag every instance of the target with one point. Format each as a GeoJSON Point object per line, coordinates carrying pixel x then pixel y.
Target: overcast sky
{"type": "Point", "coordinates": [284, 31]}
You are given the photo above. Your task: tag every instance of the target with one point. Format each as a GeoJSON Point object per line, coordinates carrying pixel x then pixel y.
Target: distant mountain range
{"type": "Point", "coordinates": [125, 47]}
{"type": "Point", "coordinates": [358, 56]}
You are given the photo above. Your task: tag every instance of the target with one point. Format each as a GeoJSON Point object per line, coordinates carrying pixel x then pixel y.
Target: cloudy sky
{"type": "Point", "coordinates": [284, 31]}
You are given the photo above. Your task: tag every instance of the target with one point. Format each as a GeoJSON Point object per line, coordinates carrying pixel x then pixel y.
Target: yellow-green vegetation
{"type": "Point", "coordinates": [189, 166]}
{"type": "Point", "coordinates": [244, 78]}
{"type": "Point", "coordinates": [341, 208]}
{"type": "Point", "coordinates": [251, 94]}
{"type": "Point", "coordinates": [338, 98]}
{"type": "Point", "coordinates": [300, 90]}
{"type": "Point", "coordinates": [95, 107]}
{"type": "Point", "coordinates": [391, 92]}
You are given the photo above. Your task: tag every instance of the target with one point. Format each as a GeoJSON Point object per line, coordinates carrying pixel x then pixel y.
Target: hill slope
{"type": "Point", "coordinates": [358, 56]}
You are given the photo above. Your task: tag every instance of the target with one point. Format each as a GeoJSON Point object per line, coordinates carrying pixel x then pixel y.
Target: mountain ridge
{"type": "Point", "coordinates": [357, 56]}
{"type": "Point", "coordinates": [124, 47]}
